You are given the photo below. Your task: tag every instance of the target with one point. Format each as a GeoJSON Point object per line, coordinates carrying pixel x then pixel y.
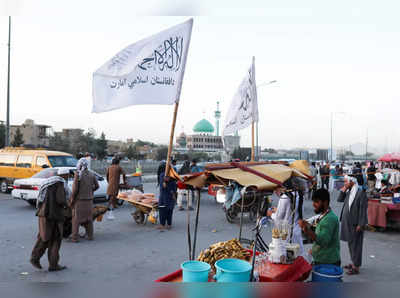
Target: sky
{"type": "Point", "coordinates": [340, 60]}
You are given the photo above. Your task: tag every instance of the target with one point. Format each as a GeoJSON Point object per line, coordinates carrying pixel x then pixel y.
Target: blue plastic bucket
{"type": "Point", "coordinates": [327, 273]}
{"type": "Point", "coordinates": [232, 270]}
{"type": "Point", "coordinates": [195, 271]}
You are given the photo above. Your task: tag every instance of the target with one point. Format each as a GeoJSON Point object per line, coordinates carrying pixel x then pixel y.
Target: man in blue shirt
{"type": "Point", "coordinates": [167, 200]}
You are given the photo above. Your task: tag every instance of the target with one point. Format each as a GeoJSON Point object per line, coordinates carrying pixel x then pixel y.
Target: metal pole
{"type": "Point", "coordinates": [196, 225]}
{"type": "Point", "coordinates": [7, 141]}
{"type": "Point", "coordinates": [331, 157]}
{"type": "Point", "coordinates": [257, 152]}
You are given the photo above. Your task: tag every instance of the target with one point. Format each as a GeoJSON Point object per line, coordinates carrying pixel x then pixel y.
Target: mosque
{"type": "Point", "coordinates": [207, 139]}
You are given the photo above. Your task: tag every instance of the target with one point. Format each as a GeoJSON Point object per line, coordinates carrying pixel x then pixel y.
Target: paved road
{"type": "Point", "coordinates": [124, 249]}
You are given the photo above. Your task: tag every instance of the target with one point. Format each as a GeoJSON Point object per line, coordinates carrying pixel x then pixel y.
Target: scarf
{"type": "Point", "coordinates": [353, 191]}
{"type": "Point", "coordinates": [43, 188]}
{"type": "Point", "coordinates": [81, 166]}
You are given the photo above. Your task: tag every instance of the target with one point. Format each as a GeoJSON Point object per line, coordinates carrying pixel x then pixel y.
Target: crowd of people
{"type": "Point", "coordinates": [326, 229]}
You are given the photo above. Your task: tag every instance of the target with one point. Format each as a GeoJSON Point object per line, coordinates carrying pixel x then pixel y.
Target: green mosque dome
{"type": "Point", "coordinates": [203, 126]}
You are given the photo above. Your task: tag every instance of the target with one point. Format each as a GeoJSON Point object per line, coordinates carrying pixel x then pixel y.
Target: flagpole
{"type": "Point", "coordinates": [252, 141]}
{"type": "Point", "coordinates": [171, 139]}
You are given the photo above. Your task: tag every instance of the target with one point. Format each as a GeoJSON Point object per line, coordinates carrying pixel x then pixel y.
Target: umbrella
{"type": "Point", "coordinates": [388, 157]}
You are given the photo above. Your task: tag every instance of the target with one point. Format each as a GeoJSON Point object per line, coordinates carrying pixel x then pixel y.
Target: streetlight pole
{"type": "Point", "coordinates": [7, 141]}
{"type": "Point", "coordinates": [332, 115]}
{"type": "Point", "coordinates": [257, 150]}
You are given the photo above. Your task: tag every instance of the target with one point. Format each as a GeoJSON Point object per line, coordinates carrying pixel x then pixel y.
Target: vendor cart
{"type": "Point", "coordinates": [143, 210]}
{"type": "Point", "coordinates": [133, 181]}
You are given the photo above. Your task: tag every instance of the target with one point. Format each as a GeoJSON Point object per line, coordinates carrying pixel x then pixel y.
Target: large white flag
{"type": "Point", "coordinates": [149, 71]}
{"type": "Point", "coordinates": [244, 107]}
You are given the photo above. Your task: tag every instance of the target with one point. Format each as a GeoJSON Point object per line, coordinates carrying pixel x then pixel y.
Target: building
{"type": "Point", "coordinates": [304, 155]}
{"type": "Point", "coordinates": [114, 147]}
{"type": "Point", "coordinates": [322, 154]}
{"type": "Point", "coordinates": [34, 135]}
{"type": "Point", "coordinates": [72, 135]}
{"type": "Point", "coordinates": [203, 139]}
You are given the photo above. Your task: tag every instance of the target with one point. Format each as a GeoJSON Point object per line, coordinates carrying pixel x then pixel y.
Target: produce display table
{"type": "Point", "coordinates": [298, 271]}
{"type": "Point", "coordinates": [379, 213]}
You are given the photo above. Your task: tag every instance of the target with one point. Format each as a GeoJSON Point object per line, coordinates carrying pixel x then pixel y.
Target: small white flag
{"type": "Point", "coordinates": [149, 71]}
{"type": "Point", "coordinates": [244, 107]}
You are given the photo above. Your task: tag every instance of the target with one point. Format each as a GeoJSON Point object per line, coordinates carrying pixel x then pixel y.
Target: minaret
{"type": "Point", "coordinates": [217, 117]}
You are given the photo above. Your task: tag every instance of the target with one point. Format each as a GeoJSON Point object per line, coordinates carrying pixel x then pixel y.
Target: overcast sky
{"type": "Point", "coordinates": [339, 58]}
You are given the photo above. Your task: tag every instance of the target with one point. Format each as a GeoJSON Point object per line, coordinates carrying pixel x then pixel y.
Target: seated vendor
{"type": "Point", "coordinates": [326, 244]}
{"type": "Point", "coordinates": [385, 190]}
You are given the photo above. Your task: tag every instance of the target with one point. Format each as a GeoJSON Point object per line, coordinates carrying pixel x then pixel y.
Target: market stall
{"type": "Point", "coordinates": [254, 177]}
{"type": "Point", "coordinates": [381, 214]}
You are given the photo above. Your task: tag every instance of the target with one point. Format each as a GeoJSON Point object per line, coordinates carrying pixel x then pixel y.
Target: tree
{"type": "Point", "coordinates": [162, 153]}
{"type": "Point", "coordinates": [130, 152]}
{"type": "Point", "coordinates": [349, 153]}
{"type": "Point", "coordinates": [18, 139]}
{"type": "Point", "coordinates": [57, 143]}
{"type": "Point", "coordinates": [2, 135]}
{"type": "Point", "coordinates": [101, 146]}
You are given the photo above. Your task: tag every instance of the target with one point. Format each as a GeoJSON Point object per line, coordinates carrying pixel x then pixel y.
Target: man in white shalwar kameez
{"type": "Point", "coordinates": [284, 212]}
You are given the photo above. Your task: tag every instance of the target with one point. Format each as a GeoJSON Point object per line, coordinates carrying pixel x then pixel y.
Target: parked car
{"type": "Point", "coordinates": [28, 189]}
{"type": "Point", "coordinates": [19, 163]}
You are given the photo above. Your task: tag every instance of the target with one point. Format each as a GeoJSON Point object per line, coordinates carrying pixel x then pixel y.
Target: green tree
{"type": "Point", "coordinates": [57, 143]}
{"type": "Point", "coordinates": [101, 146]}
{"type": "Point", "coordinates": [18, 139]}
{"type": "Point", "coordinates": [130, 152]}
{"type": "Point", "coordinates": [161, 153]}
{"type": "Point", "coordinates": [2, 135]}
{"type": "Point", "coordinates": [241, 153]}
{"type": "Point", "coordinates": [349, 153]}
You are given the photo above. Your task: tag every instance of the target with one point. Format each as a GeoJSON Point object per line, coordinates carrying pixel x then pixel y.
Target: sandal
{"type": "Point", "coordinates": [348, 267]}
{"type": "Point", "coordinates": [353, 271]}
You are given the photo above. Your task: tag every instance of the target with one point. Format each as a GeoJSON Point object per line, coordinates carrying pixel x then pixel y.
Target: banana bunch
{"type": "Point", "coordinates": [224, 250]}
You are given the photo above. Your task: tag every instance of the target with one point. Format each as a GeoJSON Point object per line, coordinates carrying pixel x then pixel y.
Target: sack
{"type": "Point", "coordinates": [110, 215]}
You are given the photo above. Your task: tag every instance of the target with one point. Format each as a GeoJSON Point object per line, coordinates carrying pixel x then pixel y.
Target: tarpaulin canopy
{"type": "Point", "coordinates": [262, 176]}
{"type": "Point", "coordinates": [390, 157]}
{"type": "Point", "coordinates": [302, 166]}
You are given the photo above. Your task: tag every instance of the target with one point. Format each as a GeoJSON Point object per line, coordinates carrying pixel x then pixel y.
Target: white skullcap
{"type": "Point", "coordinates": [63, 171]}
{"type": "Point", "coordinates": [351, 179]}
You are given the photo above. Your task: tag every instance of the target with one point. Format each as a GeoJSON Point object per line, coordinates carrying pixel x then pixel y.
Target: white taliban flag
{"type": "Point", "coordinates": [244, 107]}
{"type": "Point", "coordinates": [149, 71]}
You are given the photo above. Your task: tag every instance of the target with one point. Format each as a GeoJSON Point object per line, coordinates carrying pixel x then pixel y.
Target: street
{"type": "Point", "coordinates": [122, 248]}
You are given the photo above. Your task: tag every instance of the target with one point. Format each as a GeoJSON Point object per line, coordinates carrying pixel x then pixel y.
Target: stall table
{"type": "Point", "coordinates": [380, 213]}
{"type": "Point", "coordinates": [298, 271]}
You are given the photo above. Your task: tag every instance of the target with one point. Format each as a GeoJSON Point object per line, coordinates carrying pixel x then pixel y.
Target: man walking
{"type": "Point", "coordinates": [325, 172]}
{"type": "Point", "coordinates": [371, 178]}
{"type": "Point", "coordinates": [354, 219]}
{"type": "Point", "coordinates": [113, 175]}
{"type": "Point", "coordinates": [326, 244]}
{"type": "Point", "coordinates": [51, 203]}
{"type": "Point", "coordinates": [85, 184]}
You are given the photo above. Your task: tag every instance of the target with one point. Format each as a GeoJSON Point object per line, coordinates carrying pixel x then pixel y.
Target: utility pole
{"type": "Point", "coordinates": [366, 147]}
{"type": "Point", "coordinates": [7, 141]}
{"type": "Point", "coordinates": [331, 137]}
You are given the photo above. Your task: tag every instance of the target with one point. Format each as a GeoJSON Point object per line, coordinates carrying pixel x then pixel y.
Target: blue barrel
{"type": "Point", "coordinates": [327, 273]}
{"type": "Point", "coordinates": [195, 271]}
{"type": "Point", "coordinates": [232, 270]}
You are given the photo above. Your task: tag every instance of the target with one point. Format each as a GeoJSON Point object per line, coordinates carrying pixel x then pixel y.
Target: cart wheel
{"type": "Point", "coordinates": [138, 216]}
{"type": "Point", "coordinates": [231, 214]}
{"type": "Point", "coordinates": [120, 202]}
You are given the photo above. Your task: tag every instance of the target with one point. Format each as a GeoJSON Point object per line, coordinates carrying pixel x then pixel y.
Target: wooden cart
{"type": "Point", "coordinates": [142, 211]}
